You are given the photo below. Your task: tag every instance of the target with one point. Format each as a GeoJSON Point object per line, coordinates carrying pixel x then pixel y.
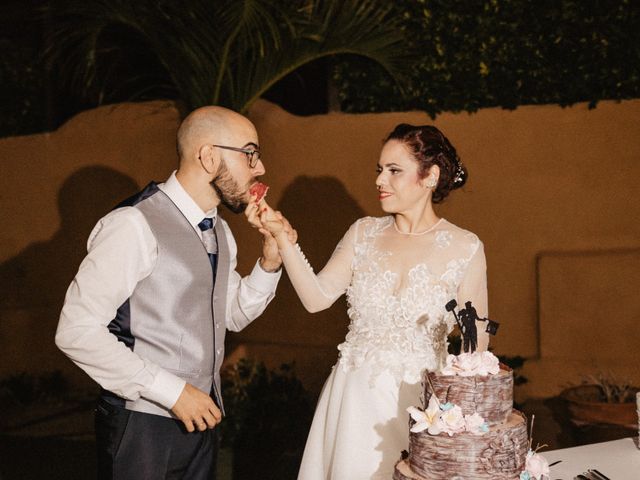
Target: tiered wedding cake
{"type": "Point", "coordinates": [469, 429]}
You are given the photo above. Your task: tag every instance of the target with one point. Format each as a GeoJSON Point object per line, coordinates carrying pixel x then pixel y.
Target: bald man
{"type": "Point", "coordinates": [147, 312]}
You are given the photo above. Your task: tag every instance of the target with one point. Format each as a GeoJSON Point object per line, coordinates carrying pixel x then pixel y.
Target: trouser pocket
{"type": "Point", "coordinates": [110, 424]}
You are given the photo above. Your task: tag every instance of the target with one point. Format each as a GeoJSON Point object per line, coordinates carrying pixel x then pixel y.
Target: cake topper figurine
{"type": "Point", "coordinates": [466, 320]}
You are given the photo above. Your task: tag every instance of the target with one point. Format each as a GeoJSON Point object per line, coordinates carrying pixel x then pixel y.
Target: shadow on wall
{"type": "Point", "coordinates": [321, 210]}
{"type": "Point", "coordinates": [34, 282]}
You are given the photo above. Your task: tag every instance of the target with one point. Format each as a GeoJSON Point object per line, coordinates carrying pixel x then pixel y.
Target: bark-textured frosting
{"type": "Point", "coordinates": [499, 454]}
{"type": "Point", "coordinates": [490, 396]}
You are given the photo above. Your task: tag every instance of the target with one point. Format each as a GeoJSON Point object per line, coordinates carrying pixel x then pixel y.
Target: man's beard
{"type": "Point", "coordinates": [228, 190]}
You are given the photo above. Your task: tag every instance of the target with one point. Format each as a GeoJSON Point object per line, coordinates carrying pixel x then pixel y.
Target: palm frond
{"type": "Point", "coordinates": [226, 52]}
{"type": "Point", "coordinates": [348, 27]}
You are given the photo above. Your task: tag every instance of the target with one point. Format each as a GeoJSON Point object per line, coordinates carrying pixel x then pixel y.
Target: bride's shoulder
{"type": "Point", "coordinates": [372, 225]}
{"type": "Point", "coordinates": [368, 227]}
{"type": "Point", "coordinates": [458, 234]}
{"type": "Point", "coordinates": [374, 221]}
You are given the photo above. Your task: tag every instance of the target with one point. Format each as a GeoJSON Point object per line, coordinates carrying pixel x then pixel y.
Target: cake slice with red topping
{"type": "Point", "coordinates": [260, 190]}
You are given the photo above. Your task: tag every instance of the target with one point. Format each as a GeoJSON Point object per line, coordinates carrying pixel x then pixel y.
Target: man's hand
{"type": "Point", "coordinates": [196, 409]}
{"type": "Point", "coordinates": [275, 230]}
{"type": "Point", "coordinates": [271, 260]}
{"type": "Point", "coordinates": [270, 221]}
{"type": "Point", "coordinates": [252, 212]}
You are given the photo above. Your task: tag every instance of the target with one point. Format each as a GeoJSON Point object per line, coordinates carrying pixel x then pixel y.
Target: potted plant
{"type": "Point", "coordinates": [602, 408]}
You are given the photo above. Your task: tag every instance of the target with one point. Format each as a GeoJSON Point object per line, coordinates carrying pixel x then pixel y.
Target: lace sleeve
{"type": "Point", "coordinates": [474, 288]}
{"type": "Point", "coordinates": [318, 292]}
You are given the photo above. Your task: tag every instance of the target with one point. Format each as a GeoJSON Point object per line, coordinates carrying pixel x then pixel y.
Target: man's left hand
{"type": "Point", "coordinates": [270, 260]}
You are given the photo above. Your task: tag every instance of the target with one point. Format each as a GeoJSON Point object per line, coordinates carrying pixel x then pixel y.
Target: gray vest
{"type": "Point", "coordinates": [177, 317]}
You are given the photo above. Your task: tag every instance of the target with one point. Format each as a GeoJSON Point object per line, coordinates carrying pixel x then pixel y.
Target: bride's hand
{"type": "Point", "coordinates": [270, 222]}
{"type": "Point", "coordinates": [292, 234]}
{"type": "Point", "coordinates": [274, 222]}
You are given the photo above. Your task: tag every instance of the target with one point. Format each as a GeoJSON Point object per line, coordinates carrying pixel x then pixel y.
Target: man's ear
{"type": "Point", "coordinates": [209, 158]}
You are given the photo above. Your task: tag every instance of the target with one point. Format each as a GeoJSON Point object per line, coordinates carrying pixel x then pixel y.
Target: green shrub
{"type": "Point", "coordinates": [23, 90]}
{"type": "Point", "coordinates": [268, 415]}
{"type": "Point", "coordinates": [264, 404]}
{"type": "Point", "coordinates": [24, 389]}
{"type": "Point", "coordinates": [485, 53]}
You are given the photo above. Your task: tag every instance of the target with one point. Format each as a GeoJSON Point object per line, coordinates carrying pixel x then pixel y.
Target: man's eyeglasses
{"type": "Point", "coordinates": [252, 154]}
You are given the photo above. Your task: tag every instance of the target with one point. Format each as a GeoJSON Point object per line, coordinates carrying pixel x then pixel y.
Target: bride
{"type": "Point", "coordinates": [398, 272]}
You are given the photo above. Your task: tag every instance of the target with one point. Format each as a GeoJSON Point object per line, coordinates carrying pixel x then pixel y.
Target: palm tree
{"type": "Point", "coordinates": [212, 52]}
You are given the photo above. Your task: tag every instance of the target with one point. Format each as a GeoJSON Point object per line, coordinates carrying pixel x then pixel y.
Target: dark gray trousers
{"type": "Point", "coordinates": [134, 445]}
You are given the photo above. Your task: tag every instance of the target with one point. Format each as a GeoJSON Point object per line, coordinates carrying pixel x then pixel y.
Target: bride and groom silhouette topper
{"type": "Point", "coordinates": [466, 320]}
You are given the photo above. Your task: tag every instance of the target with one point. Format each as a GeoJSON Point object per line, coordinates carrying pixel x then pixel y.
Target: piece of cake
{"type": "Point", "coordinates": [260, 190]}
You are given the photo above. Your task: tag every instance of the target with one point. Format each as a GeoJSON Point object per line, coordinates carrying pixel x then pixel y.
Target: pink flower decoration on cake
{"type": "Point", "coordinates": [451, 421]}
{"type": "Point", "coordinates": [447, 418]}
{"type": "Point", "coordinates": [470, 364]}
{"type": "Point", "coordinates": [536, 466]}
{"type": "Point", "coordinates": [489, 364]}
{"type": "Point", "coordinates": [475, 424]}
{"type": "Point", "coordinates": [449, 366]}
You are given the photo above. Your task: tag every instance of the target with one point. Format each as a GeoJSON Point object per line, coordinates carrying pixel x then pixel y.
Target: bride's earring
{"type": "Point", "coordinates": [431, 182]}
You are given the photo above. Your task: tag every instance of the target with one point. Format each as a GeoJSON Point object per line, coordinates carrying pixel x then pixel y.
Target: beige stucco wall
{"type": "Point", "coordinates": [552, 193]}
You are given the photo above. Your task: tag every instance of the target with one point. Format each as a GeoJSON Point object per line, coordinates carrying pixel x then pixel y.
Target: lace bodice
{"type": "Point", "coordinates": [397, 286]}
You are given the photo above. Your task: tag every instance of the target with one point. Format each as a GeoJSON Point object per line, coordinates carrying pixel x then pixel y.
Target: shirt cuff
{"type": "Point", "coordinates": [166, 389]}
{"type": "Point", "coordinates": [262, 280]}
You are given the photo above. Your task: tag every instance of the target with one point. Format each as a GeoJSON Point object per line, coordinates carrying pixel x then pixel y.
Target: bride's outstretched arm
{"type": "Point", "coordinates": [316, 292]}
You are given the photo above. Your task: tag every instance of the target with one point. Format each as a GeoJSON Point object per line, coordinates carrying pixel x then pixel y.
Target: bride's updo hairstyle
{"type": "Point", "coordinates": [430, 147]}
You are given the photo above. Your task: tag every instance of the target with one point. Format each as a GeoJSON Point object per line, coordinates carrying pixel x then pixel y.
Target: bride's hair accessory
{"type": "Point", "coordinates": [460, 172]}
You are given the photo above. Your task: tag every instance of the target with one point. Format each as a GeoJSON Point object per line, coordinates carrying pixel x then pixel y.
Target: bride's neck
{"type": "Point", "coordinates": [416, 222]}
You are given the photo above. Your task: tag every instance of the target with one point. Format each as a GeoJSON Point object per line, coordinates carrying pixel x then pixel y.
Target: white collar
{"type": "Point", "coordinates": [189, 208]}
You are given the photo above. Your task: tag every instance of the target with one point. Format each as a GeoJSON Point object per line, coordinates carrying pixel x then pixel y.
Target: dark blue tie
{"type": "Point", "coordinates": [210, 242]}
{"type": "Point", "coordinates": [206, 224]}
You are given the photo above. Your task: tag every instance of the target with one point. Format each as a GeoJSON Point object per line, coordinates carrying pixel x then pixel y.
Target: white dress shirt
{"type": "Point", "coordinates": [122, 251]}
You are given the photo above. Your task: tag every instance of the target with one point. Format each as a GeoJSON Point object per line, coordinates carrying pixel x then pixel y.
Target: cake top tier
{"type": "Point", "coordinates": [490, 396]}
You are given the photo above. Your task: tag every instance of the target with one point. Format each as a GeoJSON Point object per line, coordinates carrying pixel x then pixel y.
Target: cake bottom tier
{"type": "Point", "coordinates": [499, 454]}
{"type": "Point", "coordinates": [403, 472]}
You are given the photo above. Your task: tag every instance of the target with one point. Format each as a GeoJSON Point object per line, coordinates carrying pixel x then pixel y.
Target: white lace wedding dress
{"type": "Point", "coordinates": [397, 286]}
